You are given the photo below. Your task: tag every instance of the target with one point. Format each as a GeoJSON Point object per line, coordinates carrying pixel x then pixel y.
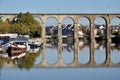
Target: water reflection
{"type": "Point", "coordinates": [26, 62]}
{"type": "Point", "coordinates": [68, 54]}
{"type": "Point", "coordinates": [84, 52]}
{"type": "Point", "coordinates": [100, 53]}
{"type": "Point", "coordinates": [51, 54]}
{"type": "Point", "coordinates": [35, 58]}
{"type": "Point", "coordinates": [38, 59]}
{"type": "Point", "coordinates": [115, 50]}
{"type": "Point", "coordinates": [115, 56]}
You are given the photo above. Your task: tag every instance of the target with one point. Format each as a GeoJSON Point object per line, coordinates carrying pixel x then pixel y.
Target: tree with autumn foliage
{"type": "Point", "coordinates": [24, 23]}
{"type": "Point", "coordinates": [4, 26]}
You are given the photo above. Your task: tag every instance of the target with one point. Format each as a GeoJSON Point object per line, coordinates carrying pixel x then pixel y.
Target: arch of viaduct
{"type": "Point", "coordinates": [75, 18]}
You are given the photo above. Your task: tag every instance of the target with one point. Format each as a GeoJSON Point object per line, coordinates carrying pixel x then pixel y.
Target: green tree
{"type": "Point", "coordinates": [16, 28]}
{"type": "Point", "coordinates": [0, 20]}
{"type": "Point", "coordinates": [4, 26]}
{"type": "Point", "coordinates": [28, 62]}
{"type": "Point", "coordinates": [28, 25]}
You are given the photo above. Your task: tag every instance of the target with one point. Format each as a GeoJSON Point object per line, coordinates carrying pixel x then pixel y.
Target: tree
{"type": "Point", "coordinates": [1, 21]}
{"type": "Point", "coordinates": [24, 23]}
{"type": "Point", "coordinates": [28, 25]}
{"type": "Point", "coordinates": [28, 62]}
{"type": "Point", "coordinates": [4, 26]}
{"type": "Point", "coordinates": [16, 28]}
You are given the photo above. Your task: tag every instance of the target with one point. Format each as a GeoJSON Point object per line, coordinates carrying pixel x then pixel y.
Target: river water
{"type": "Point", "coordinates": [24, 69]}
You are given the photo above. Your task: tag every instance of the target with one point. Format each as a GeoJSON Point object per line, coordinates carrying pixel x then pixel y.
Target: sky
{"type": "Point", "coordinates": [60, 6]}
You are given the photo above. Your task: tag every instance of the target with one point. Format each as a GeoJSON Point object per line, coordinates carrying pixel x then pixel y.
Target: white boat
{"type": "Point", "coordinates": [17, 44]}
{"type": "Point", "coordinates": [16, 48]}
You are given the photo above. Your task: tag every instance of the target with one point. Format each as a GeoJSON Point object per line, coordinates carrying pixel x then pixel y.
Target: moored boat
{"type": "Point", "coordinates": [16, 48]}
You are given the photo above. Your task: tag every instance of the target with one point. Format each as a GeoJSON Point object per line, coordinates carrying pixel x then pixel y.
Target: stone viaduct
{"type": "Point", "coordinates": [75, 18]}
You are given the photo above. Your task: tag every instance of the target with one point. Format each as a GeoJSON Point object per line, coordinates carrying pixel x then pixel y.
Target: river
{"type": "Point", "coordinates": [24, 70]}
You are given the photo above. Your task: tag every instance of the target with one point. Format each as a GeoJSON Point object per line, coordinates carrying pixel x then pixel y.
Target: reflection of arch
{"type": "Point", "coordinates": [51, 58]}
{"type": "Point", "coordinates": [84, 56]}
{"type": "Point", "coordinates": [68, 55]}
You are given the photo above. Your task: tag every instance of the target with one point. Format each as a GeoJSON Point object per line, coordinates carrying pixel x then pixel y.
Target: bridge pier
{"type": "Point", "coordinates": [43, 62]}
{"type": "Point", "coordinates": [92, 49]}
{"type": "Point", "coordinates": [75, 61]}
{"type": "Point", "coordinates": [60, 62]}
{"type": "Point", "coordinates": [92, 39]}
{"type": "Point", "coordinates": [92, 42]}
{"type": "Point", "coordinates": [108, 54]}
{"type": "Point", "coordinates": [108, 42]}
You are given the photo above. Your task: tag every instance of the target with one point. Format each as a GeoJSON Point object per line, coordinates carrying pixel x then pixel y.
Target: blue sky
{"type": "Point", "coordinates": [60, 6]}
